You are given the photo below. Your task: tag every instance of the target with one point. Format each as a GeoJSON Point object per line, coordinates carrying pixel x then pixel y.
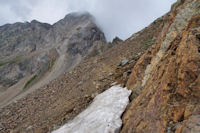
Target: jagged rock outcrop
{"type": "Point", "coordinates": [117, 40]}
{"type": "Point", "coordinates": [166, 79]}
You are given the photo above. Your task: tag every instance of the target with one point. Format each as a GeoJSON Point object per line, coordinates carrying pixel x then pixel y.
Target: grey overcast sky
{"type": "Point", "coordinates": [119, 18]}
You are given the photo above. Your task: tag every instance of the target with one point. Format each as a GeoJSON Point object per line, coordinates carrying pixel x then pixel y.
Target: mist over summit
{"type": "Point", "coordinates": [119, 18]}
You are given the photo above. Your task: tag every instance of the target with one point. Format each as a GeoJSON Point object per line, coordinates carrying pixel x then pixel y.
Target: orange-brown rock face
{"type": "Point", "coordinates": [166, 79]}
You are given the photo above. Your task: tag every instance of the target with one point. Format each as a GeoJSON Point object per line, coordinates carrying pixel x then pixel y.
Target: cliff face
{"type": "Point", "coordinates": [17, 42]}
{"type": "Point", "coordinates": [166, 79]}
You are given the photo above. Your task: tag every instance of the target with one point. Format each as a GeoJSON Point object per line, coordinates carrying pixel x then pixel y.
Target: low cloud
{"type": "Point", "coordinates": [115, 17]}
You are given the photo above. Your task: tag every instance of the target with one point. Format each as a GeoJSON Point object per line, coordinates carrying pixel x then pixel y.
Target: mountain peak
{"type": "Point", "coordinates": [75, 18]}
{"type": "Point", "coordinates": [35, 21]}
{"type": "Point", "coordinates": [78, 14]}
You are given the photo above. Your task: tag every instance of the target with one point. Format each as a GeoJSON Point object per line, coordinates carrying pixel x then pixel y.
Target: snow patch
{"type": "Point", "coordinates": [102, 116]}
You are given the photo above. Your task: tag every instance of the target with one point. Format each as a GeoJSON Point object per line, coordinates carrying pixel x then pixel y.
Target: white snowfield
{"type": "Point", "coordinates": [102, 116]}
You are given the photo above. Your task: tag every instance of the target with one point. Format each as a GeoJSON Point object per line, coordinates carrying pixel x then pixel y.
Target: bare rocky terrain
{"type": "Point", "coordinates": [160, 64]}
{"type": "Point", "coordinates": [62, 99]}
